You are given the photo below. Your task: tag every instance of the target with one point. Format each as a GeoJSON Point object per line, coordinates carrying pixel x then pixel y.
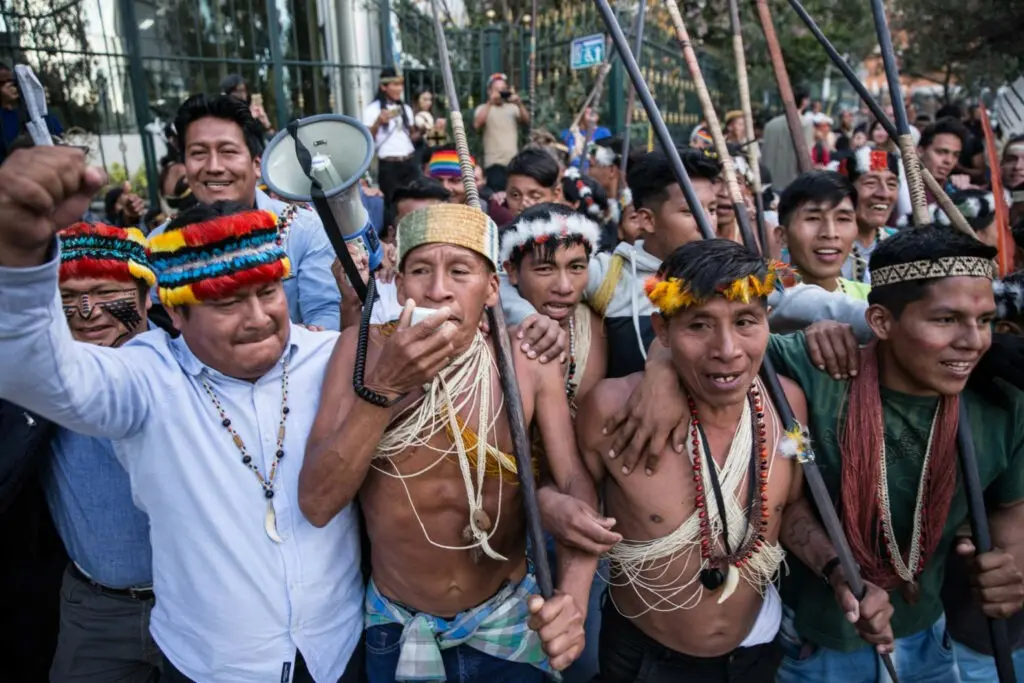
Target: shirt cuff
{"type": "Point", "coordinates": [34, 287]}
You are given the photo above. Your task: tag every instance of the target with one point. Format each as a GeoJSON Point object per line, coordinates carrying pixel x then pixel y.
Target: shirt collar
{"type": "Point", "coordinates": [194, 367]}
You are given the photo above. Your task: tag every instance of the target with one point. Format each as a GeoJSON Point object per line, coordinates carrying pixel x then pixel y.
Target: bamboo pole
{"type": "Point", "coordinates": [752, 146]}
{"type": "Point", "coordinates": [728, 167]}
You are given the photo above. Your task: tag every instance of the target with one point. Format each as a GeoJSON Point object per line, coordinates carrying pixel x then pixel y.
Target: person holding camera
{"type": "Point", "coordinates": [499, 119]}
{"type": "Point", "coordinates": [391, 123]}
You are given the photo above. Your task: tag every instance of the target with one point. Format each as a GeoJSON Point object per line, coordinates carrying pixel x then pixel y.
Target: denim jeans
{"type": "Point", "coordinates": [924, 657]}
{"type": "Point", "coordinates": [978, 668]}
{"type": "Point", "coordinates": [462, 664]}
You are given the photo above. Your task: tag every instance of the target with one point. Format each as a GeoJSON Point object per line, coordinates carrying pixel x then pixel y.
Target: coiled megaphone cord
{"type": "Point", "coordinates": [363, 340]}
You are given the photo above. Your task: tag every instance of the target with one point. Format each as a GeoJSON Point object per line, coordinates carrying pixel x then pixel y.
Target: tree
{"type": "Point", "coordinates": [39, 33]}
{"type": "Point", "coordinates": [975, 44]}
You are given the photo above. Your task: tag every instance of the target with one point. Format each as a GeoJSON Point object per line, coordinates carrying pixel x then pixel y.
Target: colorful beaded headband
{"type": "Point", "coordinates": [522, 236]}
{"type": "Point", "coordinates": [673, 294]}
{"type": "Point", "coordinates": [456, 224]}
{"type": "Point", "coordinates": [215, 258]}
{"type": "Point", "coordinates": [96, 250]}
{"type": "Point", "coordinates": [445, 164]}
{"type": "Point", "coordinates": [951, 266]}
{"type": "Point", "coordinates": [496, 77]}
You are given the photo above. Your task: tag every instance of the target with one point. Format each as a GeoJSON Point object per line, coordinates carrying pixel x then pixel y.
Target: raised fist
{"type": "Point", "coordinates": [42, 190]}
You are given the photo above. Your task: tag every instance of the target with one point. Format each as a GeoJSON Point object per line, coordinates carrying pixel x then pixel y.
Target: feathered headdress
{"type": "Point", "coordinates": [97, 250]}
{"type": "Point", "coordinates": [215, 258]}
{"type": "Point", "coordinates": [522, 236]}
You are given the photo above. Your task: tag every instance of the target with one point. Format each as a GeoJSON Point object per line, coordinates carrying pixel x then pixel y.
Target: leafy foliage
{"type": "Point", "coordinates": [976, 42]}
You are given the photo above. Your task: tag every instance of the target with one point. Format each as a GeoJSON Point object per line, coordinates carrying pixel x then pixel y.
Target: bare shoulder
{"type": "Point", "coordinates": [603, 401]}
{"type": "Point", "coordinates": [796, 397]}
{"type": "Point", "coordinates": [530, 369]}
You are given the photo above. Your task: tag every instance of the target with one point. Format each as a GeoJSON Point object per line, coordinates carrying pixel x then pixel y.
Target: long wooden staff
{"type": "Point", "coordinates": [506, 367]}
{"type": "Point", "coordinates": [968, 459]}
{"type": "Point", "coordinates": [819, 492]}
{"type": "Point", "coordinates": [631, 101]}
{"type": "Point", "coordinates": [729, 169]}
{"type": "Point", "coordinates": [933, 186]}
{"type": "Point", "coordinates": [753, 148]}
{"type": "Point", "coordinates": [796, 127]}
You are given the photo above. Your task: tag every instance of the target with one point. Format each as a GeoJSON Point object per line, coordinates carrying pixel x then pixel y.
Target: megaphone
{"type": "Point", "coordinates": [320, 159]}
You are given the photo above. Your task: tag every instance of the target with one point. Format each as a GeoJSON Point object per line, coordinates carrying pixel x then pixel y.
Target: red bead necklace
{"type": "Point", "coordinates": [712, 577]}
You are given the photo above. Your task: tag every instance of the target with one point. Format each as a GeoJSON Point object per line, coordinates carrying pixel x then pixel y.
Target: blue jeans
{"type": "Point", "coordinates": [925, 657]}
{"type": "Point", "coordinates": [463, 664]}
{"type": "Point", "coordinates": [978, 668]}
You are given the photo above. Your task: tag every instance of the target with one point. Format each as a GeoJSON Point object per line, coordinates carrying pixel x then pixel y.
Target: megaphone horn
{"type": "Point", "coordinates": [320, 159]}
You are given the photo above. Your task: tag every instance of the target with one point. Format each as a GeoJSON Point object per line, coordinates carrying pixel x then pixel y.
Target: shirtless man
{"type": "Point", "coordinates": [452, 592]}
{"type": "Point", "coordinates": [693, 599]}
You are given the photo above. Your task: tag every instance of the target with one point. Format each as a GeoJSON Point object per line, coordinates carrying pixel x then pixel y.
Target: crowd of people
{"type": "Point", "coordinates": [213, 472]}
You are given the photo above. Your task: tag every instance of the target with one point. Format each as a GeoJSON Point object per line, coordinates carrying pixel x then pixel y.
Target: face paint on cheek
{"type": "Point", "coordinates": [126, 312]}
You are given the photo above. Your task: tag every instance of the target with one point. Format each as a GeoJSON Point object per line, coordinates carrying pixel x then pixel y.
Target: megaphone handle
{"type": "Point", "coordinates": [338, 242]}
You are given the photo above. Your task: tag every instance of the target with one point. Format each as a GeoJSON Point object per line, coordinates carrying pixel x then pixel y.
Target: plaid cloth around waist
{"type": "Point", "coordinates": [497, 628]}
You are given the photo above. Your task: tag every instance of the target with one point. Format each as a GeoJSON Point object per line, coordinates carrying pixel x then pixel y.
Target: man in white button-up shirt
{"type": "Point", "coordinates": [243, 582]}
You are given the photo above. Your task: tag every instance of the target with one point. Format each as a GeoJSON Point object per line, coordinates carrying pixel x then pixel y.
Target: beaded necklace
{"type": "Point", "coordinates": [915, 561]}
{"type": "Point", "coordinates": [712, 576]}
{"type": "Point", "coordinates": [266, 483]}
{"type": "Point", "coordinates": [570, 390]}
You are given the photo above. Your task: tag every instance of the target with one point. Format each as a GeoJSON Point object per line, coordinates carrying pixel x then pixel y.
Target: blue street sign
{"type": "Point", "coordinates": [587, 51]}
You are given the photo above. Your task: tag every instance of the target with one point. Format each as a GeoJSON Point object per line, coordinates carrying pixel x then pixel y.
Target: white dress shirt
{"type": "Point", "coordinates": [393, 141]}
{"type": "Point", "coordinates": [232, 606]}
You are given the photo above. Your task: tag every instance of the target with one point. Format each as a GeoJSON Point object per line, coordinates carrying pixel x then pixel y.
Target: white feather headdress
{"type": "Point", "coordinates": [520, 233]}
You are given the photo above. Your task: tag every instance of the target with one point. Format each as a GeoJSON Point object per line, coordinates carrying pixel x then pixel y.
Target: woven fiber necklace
{"type": "Point", "coordinates": [267, 482]}
{"type": "Point", "coordinates": [712, 576]}
{"type": "Point", "coordinates": [914, 564]}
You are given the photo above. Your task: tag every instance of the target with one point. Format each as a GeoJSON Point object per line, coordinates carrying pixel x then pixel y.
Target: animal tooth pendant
{"type": "Point", "coordinates": [270, 524]}
{"type": "Point", "coordinates": [732, 580]}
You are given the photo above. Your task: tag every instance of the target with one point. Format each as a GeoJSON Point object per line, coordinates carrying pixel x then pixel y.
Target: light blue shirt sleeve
{"type": "Point", "coordinates": [89, 389]}
{"type": "Point", "coordinates": [319, 298]}
{"type": "Point", "coordinates": [795, 308]}
{"type": "Point", "coordinates": [517, 309]}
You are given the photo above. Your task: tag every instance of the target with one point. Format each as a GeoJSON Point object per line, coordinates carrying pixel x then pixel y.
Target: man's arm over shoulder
{"type": "Point", "coordinates": [93, 390]}
{"type": "Point", "coordinates": [516, 308]}
{"type": "Point", "coordinates": [599, 405]}
{"type": "Point", "coordinates": [319, 298]}
{"type": "Point", "coordinates": [795, 308]}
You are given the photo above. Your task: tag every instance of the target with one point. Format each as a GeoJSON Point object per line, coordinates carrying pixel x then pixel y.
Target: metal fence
{"type": "Point", "coordinates": [116, 70]}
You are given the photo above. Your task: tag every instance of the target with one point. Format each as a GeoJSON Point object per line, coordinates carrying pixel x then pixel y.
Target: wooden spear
{"type": "Point", "coordinates": [819, 492]}
{"type": "Point", "coordinates": [506, 366]}
{"type": "Point", "coordinates": [753, 149]}
{"type": "Point", "coordinates": [968, 459]}
{"type": "Point", "coordinates": [728, 168]}
{"type": "Point", "coordinates": [796, 126]}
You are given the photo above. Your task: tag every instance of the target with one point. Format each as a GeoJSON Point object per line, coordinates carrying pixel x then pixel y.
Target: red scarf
{"type": "Point", "coordinates": [860, 447]}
